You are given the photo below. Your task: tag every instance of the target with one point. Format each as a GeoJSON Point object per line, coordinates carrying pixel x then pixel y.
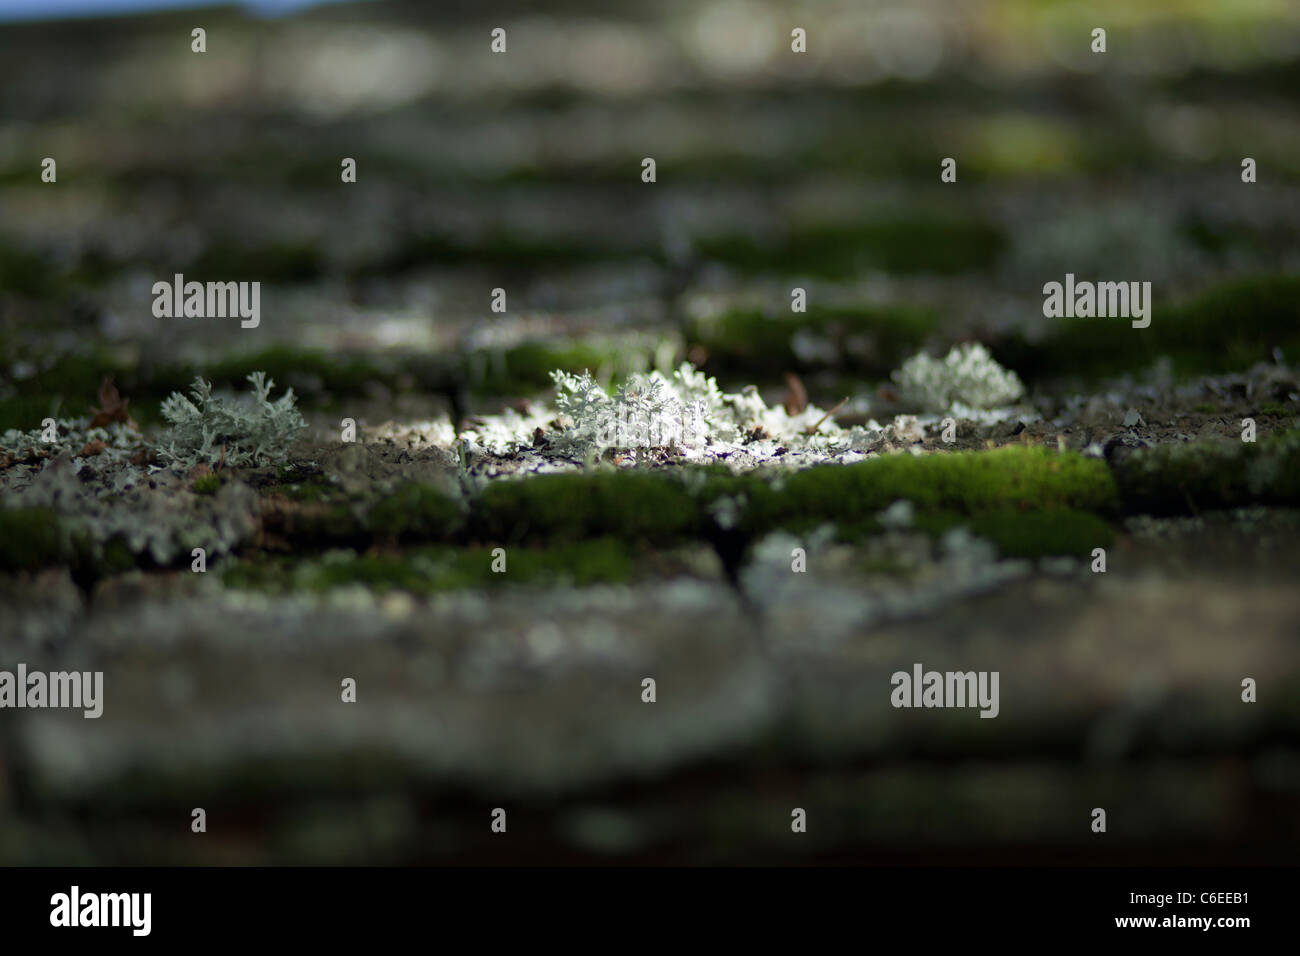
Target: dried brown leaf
{"type": "Point", "coordinates": [112, 406]}
{"type": "Point", "coordinates": [796, 396]}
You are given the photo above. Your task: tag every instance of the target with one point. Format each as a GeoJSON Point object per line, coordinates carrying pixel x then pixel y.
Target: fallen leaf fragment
{"type": "Point", "coordinates": [112, 406]}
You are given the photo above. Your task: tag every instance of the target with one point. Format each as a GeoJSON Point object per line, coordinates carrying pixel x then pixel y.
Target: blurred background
{"type": "Point", "coordinates": [523, 171]}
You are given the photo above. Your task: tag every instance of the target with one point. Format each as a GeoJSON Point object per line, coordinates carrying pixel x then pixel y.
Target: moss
{"type": "Point", "coordinates": [73, 377]}
{"type": "Point", "coordinates": [116, 556]}
{"type": "Point", "coordinates": [272, 262]}
{"type": "Point", "coordinates": [514, 371]}
{"type": "Point", "coordinates": [666, 507]}
{"type": "Point", "coordinates": [295, 367]}
{"type": "Point", "coordinates": [35, 538]}
{"type": "Point", "coordinates": [1276, 410]}
{"type": "Point", "coordinates": [313, 490]}
{"type": "Point", "coordinates": [416, 512]}
{"type": "Point", "coordinates": [312, 524]}
{"type": "Point", "coordinates": [967, 483]}
{"type": "Point", "coordinates": [30, 274]}
{"type": "Point", "coordinates": [306, 484]}
{"type": "Point", "coordinates": [1228, 328]}
{"type": "Point", "coordinates": [1177, 479]}
{"type": "Point", "coordinates": [32, 538]}
{"type": "Point", "coordinates": [915, 243]}
{"type": "Point", "coordinates": [870, 339]}
{"type": "Point", "coordinates": [25, 413]}
{"type": "Point", "coordinates": [527, 367]}
{"type": "Point", "coordinates": [630, 505]}
{"type": "Point", "coordinates": [206, 484]}
{"type": "Point", "coordinates": [431, 570]}
{"type": "Point", "coordinates": [1029, 534]}
{"type": "Point", "coordinates": [503, 251]}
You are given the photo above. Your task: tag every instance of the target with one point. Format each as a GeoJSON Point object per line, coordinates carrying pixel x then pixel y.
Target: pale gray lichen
{"type": "Point", "coordinates": [968, 375]}
{"type": "Point", "coordinates": [206, 429]}
{"type": "Point", "coordinates": [115, 441]}
{"type": "Point", "coordinates": [685, 416]}
{"type": "Point", "coordinates": [688, 414]}
{"type": "Point", "coordinates": [645, 412]}
{"type": "Point", "coordinates": [157, 517]}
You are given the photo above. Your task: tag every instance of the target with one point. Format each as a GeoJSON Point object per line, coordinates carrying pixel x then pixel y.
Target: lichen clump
{"type": "Point", "coordinates": [968, 376]}
{"type": "Point", "coordinates": [687, 413]}
{"type": "Point", "coordinates": [206, 429]}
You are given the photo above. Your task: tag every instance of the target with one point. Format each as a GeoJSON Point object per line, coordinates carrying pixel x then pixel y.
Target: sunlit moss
{"type": "Point", "coordinates": [967, 483]}
{"type": "Point", "coordinates": [665, 507]}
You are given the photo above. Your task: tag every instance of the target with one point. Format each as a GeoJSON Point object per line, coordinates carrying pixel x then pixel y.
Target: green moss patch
{"type": "Point", "coordinates": [526, 368]}
{"type": "Point", "coordinates": [1029, 534]}
{"type": "Point", "coordinates": [311, 489]}
{"type": "Point", "coordinates": [1227, 329]}
{"type": "Point", "coordinates": [35, 538]}
{"type": "Point", "coordinates": [415, 512]}
{"type": "Point", "coordinates": [631, 505]}
{"type": "Point", "coordinates": [663, 507]}
{"type": "Point", "coordinates": [870, 339]}
{"type": "Point", "coordinates": [1015, 477]}
{"type": "Point", "coordinates": [1277, 410]}
{"type": "Point", "coordinates": [73, 381]}
{"type": "Point", "coordinates": [1178, 479]}
{"type": "Point", "coordinates": [206, 484]}
{"type": "Point", "coordinates": [313, 524]}
{"type": "Point", "coordinates": [30, 274]}
{"type": "Point", "coordinates": [32, 538]}
{"type": "Point", "coordinates": [498, 251]}
{"type": "Point", "coordinates": [74, 378]}
{"type": "Point", "coordinates": [904, 244]}
{"type": "Point", "coordinates": [289, 366]}
{"type": "Point", "coordinates": [272, 262]}
{"type": "Point", "coordinates": [26, 412]}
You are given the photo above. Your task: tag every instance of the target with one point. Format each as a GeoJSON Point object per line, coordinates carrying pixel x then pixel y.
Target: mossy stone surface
{"type": "Point", "coordinates": [872, 339]}
{"type": "Point", "coordinates": [1228, 328]}
{"type": "Point", "coordinates": [967, 483]}
{"type": "Point", "coordinates": [416, 512]}
{"type": "Point", "coordinates": [639, 506]}
{"type": "Point", "coordinates": [32, 538]}
{"type": "Point", "coordinates": [206, 484]}
{"type": "Point", "coordinates": [914, 244]}
{"type": "Point", "coordinates": [1051, 532]}
{"type": "Point", "coordinates": [430, 570]}
{"type": "Point", "coordinates": [1181, 479]}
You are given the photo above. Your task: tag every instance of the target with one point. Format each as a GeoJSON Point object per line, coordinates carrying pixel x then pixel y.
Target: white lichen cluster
{"type": "Point", "coordinates": [648, 411]}
{"type": "Point", "coordinates": [207, 429]}
{"type": "Point", "coordinates": [967, 376]}
{"type": "Point", "coordinates": [119, 442]}
{"type": "Point", "coordinates": [100, 499]}
{"type": "Point", "coordinates": [685, 416]}
{"type": "Point", "coordinates": [687, 413]}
